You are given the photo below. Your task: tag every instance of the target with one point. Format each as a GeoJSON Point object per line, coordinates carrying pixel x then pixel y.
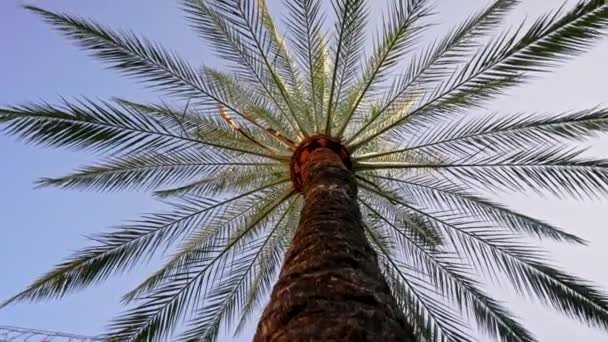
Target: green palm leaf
{"type": "Point", "coordinates": [270, 258]}
{"type": "Point", "coordinates": [234, 291]}
{"type": "Point", "coordinates": [433, 318]}
{"type": "Point", "coordinates": [188, 273]}
{"type": "Point", "coordinates": [509, 59]}
{"type": "Point", "coordinates": [121, 249]}
{"type": "Point", "coordinates": [438, 61]}
{"type": "Point", "coordinates": [348, 42]}
{"type": "Point", "coordinates": [103, 127]}
{"type": "Point", "coordinates": [454, 196]}
{"type": "Point", "coordinates": [501, 133]}
{"type": "Point", "coordinates": [136, 57]}
{"type": "Point", "coordinates": [518, 260]}
{"type": "Point", "coordinates": [238, 26]}
{"type": "Point", "coordinates": [496, 252]}
{"type": "Point", "coordinates": [452, 280]}
{"type": "Point", "coordinates": [305, 24]}
{"type": "Point", "coordinates": [554, 169]}
{"type": "Point", "coordinates": [148, 171]}
{"type": "Point", "coordinates": [397, 37]}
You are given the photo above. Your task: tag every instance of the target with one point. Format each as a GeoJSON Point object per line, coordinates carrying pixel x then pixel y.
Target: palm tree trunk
{"type": "Point", "coordinates": [330, 287]}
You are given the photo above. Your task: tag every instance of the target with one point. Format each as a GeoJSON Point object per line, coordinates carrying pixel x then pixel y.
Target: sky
{"type": "Point", "coordinates": [42, 226]}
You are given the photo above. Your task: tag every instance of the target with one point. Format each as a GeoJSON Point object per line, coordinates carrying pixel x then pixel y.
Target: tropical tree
{"type": "Point", "coordinates": [365, 179]}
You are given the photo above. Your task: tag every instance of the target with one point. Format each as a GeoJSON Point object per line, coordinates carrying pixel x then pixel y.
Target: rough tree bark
{"type": "Point", "coordinates": [330, 287]}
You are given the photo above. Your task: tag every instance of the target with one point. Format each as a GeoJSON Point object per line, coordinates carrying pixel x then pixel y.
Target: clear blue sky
{"type": "Point", "coordinates": [40, 227]}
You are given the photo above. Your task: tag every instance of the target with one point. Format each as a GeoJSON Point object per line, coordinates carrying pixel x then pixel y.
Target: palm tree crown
{"type": "Point", "coordinates": [226, 154]}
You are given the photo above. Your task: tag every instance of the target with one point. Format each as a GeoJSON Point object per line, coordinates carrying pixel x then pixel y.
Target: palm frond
{"type": "Point", "coordinates": [88, 125]}
{"type": "Point", "coordinates": [510, 59]}
{"type": "Point", "coordinates": [186, 278]}
{"type": "Point", "coordinates": [399, 33]}
{"type": "Point", "coordinates": [531, 276]}
{"type": "Point", "coordinates": [219, 184]}
{"type": "Point", "coordinates": [445, 272]}
{"type": "Point", "coordinates": [408, 225]}
{"type": "Point", "coordinates": [149, 171]}
{"type": "Point", "coordinates": [554, 170]}
{"type": "Point", "coordinates": [192, 122]}
{"type": "Point", "coordinates": [493, 214]}
{"type": "Point", "coordinates": [287, 70]}
{"type": "Point", "coordinates": [500, 253]}
{"type": "Point", "coordinates": [418, 301]}
{"type": "Point", "coordinates": [502, 133]}
{"type": "Point", "coordinates": [238, 32]}
{"type": "Point", "coordinates": [438, 60]}
{"type": "Point", "coordinates": [140, 58]}
{"type": "Point", "coordinates": [251, 103]}
{"type": "Point", "coordinates": [255, 25]}
{"type": "Point", "coordinates": [221, 306]}
{"type": "Point", "coordinates": [121, 249]}
{"type": "Point", "coordinates": [135, 57]}
{"type": "Point", "coordinates": [269, 260]}
{"type": "Point", "coordinates": [348, 43]}
{"type": "Point", "coordinates": [305, 28]}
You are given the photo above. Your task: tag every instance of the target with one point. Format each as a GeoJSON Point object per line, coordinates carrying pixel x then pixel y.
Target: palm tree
{"type": "Point", "coordinates": [366, 184]}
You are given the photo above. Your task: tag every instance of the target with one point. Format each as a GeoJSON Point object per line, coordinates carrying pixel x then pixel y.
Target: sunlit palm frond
{"type": "Point", "coordinates": [511, 59]}
{"type": "Point", "coordinates": [346, 49]}
{"type": "Point", "coordinates": [218, 125]}
{"type": "Point", "coordinates": [148, 171]}
{"type": "Point", "coordinates": [555, 169]}
{"type": "Point", "coordinates": [217, 185]}
{"type": "Point", "coordinates": [305, 33]}
{"type": "Point", "coordinates": [397, 37]}
{"type": "Point", "coordinates": [239, 33]}
{"type": "Point", "coordinates": [234, 291]}
{"type": "Point", "coordinates": [437, 61]}
{"type": "Point", "coordinates": [288, 71]}
{"type": "Point", "coordinates": [421, 305]}
{"type": "Point", "coordinates": [270, 259]}
{"type": "Point", "coordinates": [498, 132]}
{"type": "Point", "coordinates": [121, 249]}
{"type": "Point", "coordinates": [198, 266]}
{"type": "Point", "coordinates": [250, 102]}
{"type": "Point", "coordinates": [484, 210]}
{"type": "Point", "coordinates": [283, 61]}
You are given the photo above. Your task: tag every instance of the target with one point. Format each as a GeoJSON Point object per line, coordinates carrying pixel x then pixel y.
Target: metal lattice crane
{"type": "Point", "coordinates": [15, 334]}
